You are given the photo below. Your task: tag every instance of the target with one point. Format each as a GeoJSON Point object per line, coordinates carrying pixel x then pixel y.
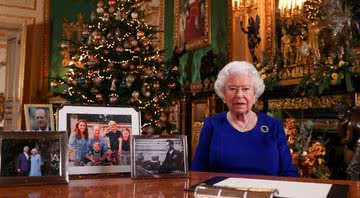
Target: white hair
{"type": "Point", "coordinates": [111, 122]}
{"type": "Point", "coordinates": [239, 67]}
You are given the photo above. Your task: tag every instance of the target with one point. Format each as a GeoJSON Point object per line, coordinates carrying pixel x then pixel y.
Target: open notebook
{"type": "Point", "coordinates": [283, 188]}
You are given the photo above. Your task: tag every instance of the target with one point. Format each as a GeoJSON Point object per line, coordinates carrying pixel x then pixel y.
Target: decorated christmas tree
{"type": "Point", "coordinates": [116, 62]}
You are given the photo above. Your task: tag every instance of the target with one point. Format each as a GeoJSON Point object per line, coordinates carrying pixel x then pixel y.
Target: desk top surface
{"type": "Point", "coordinates": [141, 188]}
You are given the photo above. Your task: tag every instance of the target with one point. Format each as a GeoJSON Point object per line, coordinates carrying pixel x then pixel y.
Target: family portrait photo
{"type": "Point", "coordinates": [99, 141]}
{"type": "Point", "coordinates": [159, 156]}
{"type": "Point", "coordinates": [39, 117]}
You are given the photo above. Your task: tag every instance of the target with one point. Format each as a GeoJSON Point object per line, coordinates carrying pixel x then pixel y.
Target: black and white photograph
{"type": "Point", "coordinates": [39, 117]}
{"type": "Point", "coordinates": [33, 155]}
{"type": "Point", "coordinates": [99, 138]}
{"type": "Point", "coordinates": [156, 156]}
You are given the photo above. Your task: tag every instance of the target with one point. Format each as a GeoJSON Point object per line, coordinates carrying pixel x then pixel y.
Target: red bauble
{"type": "Point", "coordinates": [112, 2]}
{"type": "Point", "coordinates": [172, 85]}
{"type": "Point", "coordinates": [133, 42]}
{"type": "Point", "coordinates": [99, 97]}
{"type": "Point", "coordinates": [124, 65]}
{"type": "Point", "coordinates": [114, 98]}
{"type": "Point", "coordinates": [134, 15]}
{"type": "Point", "coordinates": [100, 4]}
{"type": "Point", "coordinates": [98, 36]}
{"type": "Point", "coordinates": [156, 85]}
{"type": "Point", "coordinates": [100, 10]}
{"type": "Point", "coordinates": [111, 9]}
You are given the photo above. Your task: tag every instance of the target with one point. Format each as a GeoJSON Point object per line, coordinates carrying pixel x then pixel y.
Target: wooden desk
{"type": "Point", "coordinates": [149, 188]}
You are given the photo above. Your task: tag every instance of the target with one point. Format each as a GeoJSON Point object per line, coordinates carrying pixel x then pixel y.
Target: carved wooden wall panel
{"type": "Point", "coordinates": [31, 19]}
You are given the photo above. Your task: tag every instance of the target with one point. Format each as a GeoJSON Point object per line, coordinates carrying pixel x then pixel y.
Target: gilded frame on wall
{"type": "Point", "coordinates": [71, 33]}
{"type": "Point", "coordinates": [174, 115]}
{"type": "Point", "coordinates": [200, 109]}
{"type": "Point", "coordinates": [154, 16]}
{"type": "Point", "coordinates": [192, 23]}
{"type": "Point", "coordinates": [267, 28]}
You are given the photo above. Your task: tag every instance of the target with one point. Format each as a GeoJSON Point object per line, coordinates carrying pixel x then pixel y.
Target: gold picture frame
{"type": "Point", "coordinates": [174, 114]}
{"type": "Point", "coordinates": [192, 23]}
{"type": "Point", "coordinates": [154, 16]}
{"type": "Point", "coordinates": [39, 117]}
{"type": "Point", "coordinates": [200, 109]}
{"type": "Point", "coordinates": [267, 27]}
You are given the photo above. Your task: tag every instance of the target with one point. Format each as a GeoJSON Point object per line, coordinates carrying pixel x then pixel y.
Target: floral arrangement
{"type": "Point", "coordinates": [323, 51]}
{"type": "Point", "coordinates": [269, 69]}
{"type": "Point", "coordinates": [324, 75]}
{"type": "Point", "coordinates": [307, 154]}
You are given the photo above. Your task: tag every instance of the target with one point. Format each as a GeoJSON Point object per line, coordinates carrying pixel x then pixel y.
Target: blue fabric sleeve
{"type": "Point", "coordinates": [201, 161]}
{"type": "Point", "coordinates": [72, 140]}
{"type": "Point", "coordinates": [104, 147]}
{"type": "Point", "coordinates": [89, 144]}
{"type": "Point", "coordinates": [286, 168]}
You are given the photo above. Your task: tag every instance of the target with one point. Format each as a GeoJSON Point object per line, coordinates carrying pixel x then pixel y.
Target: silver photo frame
{"type": "Point", "coordinates": [159, 156]}
{"type": "Point", "coordinates": [109, 127]}
{"type": "Point", "coordinates": [45, 162]}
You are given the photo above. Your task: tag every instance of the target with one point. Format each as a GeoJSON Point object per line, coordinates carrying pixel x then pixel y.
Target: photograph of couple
{"type": "Point", "coordinates": [30, 157]}
{"type": "Point", "coordinates": [29, 164]}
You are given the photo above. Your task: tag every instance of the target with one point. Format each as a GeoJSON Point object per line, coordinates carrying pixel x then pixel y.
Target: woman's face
{"type": "Point", "coordinates": [239, 93]}
{"type": "Point", "coordinates": [34, 151]}
{"type": "Point", "coordinates": [82, 127]}
{"type": "Point", "coordinates": [126, 134]}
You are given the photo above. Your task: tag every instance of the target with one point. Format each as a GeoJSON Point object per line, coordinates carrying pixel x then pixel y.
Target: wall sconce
{"type": "Point", "coordinates": [290, 8]}
{"type": "Point", "coordinates": [242, 5]}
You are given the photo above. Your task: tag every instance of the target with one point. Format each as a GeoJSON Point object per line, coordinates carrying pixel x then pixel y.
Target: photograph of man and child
{"type": "Point", "coordinates": [99, 143]}
{"type": "Point", "coordinates": [159, 156]}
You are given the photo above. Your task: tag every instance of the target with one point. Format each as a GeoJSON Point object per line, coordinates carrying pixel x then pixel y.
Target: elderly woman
{"type": "Point", "coordinates": [240, 140]}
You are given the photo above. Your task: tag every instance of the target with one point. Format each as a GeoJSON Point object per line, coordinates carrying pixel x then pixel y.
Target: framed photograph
{"type": "Point", "coordinates": [32, 158]}
{"type": "Point", "coordinates": [159, 156]}
{"type": "Point", "coordinates": [192, 23]}
{"type": "Point", "coordinates": [39, 117]}
{"type": "Point", "coordinates": [99, 137]}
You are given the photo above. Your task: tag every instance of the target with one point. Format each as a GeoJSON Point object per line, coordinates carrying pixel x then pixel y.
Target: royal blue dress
{"type": "Point", "coordinates": [261, 151]}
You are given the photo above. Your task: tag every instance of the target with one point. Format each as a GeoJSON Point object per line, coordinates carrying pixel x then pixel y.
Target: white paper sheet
{"type": "Point", "coordinates": [285, 188]}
